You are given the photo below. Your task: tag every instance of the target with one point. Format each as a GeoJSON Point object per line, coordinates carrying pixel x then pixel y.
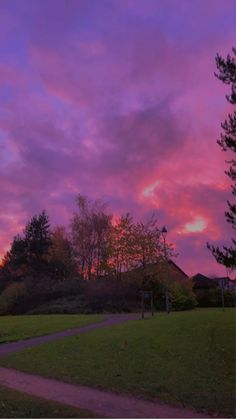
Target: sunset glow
{"type": "Point", "coordinates": [116, 100]}
{"type": "Point", "coordinates": [196, 226]}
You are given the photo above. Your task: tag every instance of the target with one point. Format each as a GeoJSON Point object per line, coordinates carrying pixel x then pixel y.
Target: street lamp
{"type": "Point", "coordinates": [164, 234]}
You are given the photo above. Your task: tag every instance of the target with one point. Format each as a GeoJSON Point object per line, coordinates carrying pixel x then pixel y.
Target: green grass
{"type": "Point", "coordinates": [186, 358]}
{"type": "Point", "coordinates": [14, 404]}
{"type": "Point", "coordinates": [14, 328]}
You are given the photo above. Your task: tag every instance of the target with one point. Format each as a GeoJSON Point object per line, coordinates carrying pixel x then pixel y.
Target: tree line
{"type": "Point", "coordinates": [100, 263]}
{"type": "Point", "coordinates": [96, 245]}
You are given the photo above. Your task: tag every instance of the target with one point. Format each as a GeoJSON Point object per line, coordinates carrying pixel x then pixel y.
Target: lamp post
{"type": "Point", "coordinates": [222, 293]}
{"type": "Point", "coordinates": [164, 234]}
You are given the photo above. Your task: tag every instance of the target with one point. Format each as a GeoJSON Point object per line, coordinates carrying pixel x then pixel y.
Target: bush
{"type": "Point", "coordinates": [12, 298]}
{"type": "Point", "coordinates": [22, 297]}
{"type": "Point", "coordinates": [63, 305]}
{"type": "Point", "coordinates": [109, 295]}
{"type": "Point", "coordinates": [182, 296]}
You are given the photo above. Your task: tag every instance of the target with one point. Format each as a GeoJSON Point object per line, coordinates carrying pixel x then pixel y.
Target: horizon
{"type": "Point", "coordinates": [117, 101]}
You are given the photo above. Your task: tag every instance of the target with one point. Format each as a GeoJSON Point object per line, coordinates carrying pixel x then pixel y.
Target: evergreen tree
{"type": "Point", "coordinates": [28, 254]}
{"type": "Point", "coordinates": [227, 142]}
{"type": "Point", "coordinates": [38, 241]}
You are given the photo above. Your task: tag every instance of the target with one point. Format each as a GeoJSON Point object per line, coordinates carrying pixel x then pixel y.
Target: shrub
{"type": "Point", "coordinates": [12, 298]}
{"type": "Point", "coordinates": [108, 295]}
{"type": "Point", "coordinates": [182, 296]}
{"type": "Point", "coordinates": [63, 305]}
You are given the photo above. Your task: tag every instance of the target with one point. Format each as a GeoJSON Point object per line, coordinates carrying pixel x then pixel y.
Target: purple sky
{"type": "Point", "coordinates": [116, 99]}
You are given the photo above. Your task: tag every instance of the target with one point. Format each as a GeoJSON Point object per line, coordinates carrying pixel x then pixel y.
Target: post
{"type": "Point", "coordinates": [222, 294]}
{"type": "Point", "coordinates": [152, 307]}
{"type": "Point", "coordinates": [164, 233]}
{"type": "Point", "coordinates": [142, 303]}
{"type": "Point", "coordinates": [167, 303]}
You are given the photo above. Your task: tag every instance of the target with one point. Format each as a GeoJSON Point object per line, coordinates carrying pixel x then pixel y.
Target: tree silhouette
{"type": "Point", "coordinates": [28, 255]}
{"type": "Point", "coordinates": [227, 142]}
{"type": "Point", "coordinates": [38, 241]}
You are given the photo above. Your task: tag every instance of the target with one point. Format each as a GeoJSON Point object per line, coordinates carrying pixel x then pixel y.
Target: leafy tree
{"type": "Point", "coordinates": [227, 142]}
{"type": "Point", "coordinates": [146, 243]}
{"type": "Point", "coordinates": [137, 245]}
{"type": "Point", "coordinates": [14, 263]}
{"type": "Point", "coordinates": [121, 245]}
{"type": "Point", "coordinates": [5, 271]}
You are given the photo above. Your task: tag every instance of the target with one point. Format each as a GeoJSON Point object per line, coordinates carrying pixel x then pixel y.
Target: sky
{"type": "Point", "coordinates": [117, 100]}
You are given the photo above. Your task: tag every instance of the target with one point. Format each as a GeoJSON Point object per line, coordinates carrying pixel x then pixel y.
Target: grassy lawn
{"type": "Point", "coordinates": [186, 358]}
{"type": "Point", "coordinates": [22, 327]}
{"type": "Point", "coordinates": [14, 404]}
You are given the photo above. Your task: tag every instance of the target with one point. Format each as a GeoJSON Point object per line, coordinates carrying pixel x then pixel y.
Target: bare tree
{"type": "Point", "coordinates": [61, 254]}
{"type": "Point", "coordinates": [91, 231]}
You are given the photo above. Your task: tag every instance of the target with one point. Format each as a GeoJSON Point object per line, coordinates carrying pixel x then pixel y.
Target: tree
{"type": "Point", "coordinates": [13, 265]}
{"type": "Point", "coordinates": [15, 261]}
{"type": "Point", "coordinates": [28, 254]}
{"type": "Point", "coordinates": [62, 263]}
{"type": "Point", "coordinates": [121, 245]}
{"type": "Point", "coordinates": [227, 74]}
{"type": "Point", "coordinates": [91, 234]}
{"type": "Point", "coordinates": [146, 245]}
{"type": "Point", "coordinates": [37, 238]}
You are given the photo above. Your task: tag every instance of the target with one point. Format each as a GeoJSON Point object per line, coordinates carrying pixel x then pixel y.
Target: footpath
{"type": "Point", "coordinates": [7, 348]}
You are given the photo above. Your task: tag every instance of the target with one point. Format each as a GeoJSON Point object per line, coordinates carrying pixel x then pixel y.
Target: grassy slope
{"type": "Point", "coordinates": [185, 357]}
{"type": "Point", "coordinates": [18, 405]}
{"type": "Point", "coordinates": [21, 327]}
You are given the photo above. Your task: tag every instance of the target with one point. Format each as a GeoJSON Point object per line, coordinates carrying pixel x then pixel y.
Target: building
{"type": "Point", "coordinates": [161, 270]}
{"type": "Point", "coordinates": [202, 282]}
{"type": "Point", "coordinates": [176, 273]}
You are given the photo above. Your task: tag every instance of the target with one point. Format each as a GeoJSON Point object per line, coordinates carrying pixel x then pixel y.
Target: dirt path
{"type": "Point", "coordinates": [112, 319]}
{"type": "Point", "coordinates": [101, 402]}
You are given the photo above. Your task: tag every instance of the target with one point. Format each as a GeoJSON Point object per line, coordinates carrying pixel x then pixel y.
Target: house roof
{"type": "Point", "coordinates": [202, 281]}
{"type": "Point", "coordinates": [175, 271]}
{"type": "Point", "coordinates": [199, 277]}
{"type": "Point", "coordinates": [177, 267]}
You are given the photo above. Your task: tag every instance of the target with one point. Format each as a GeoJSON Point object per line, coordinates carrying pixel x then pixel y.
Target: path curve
{"type": "Point", "coordinates": [98, 401]}
{"type": "Point", "coordinates": [111, 320]}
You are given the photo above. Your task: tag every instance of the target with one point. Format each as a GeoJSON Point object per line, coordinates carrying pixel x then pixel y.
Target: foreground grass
{"type": "Point", "coordinates": [186, 358]}
{"type": "Point", "coordinates": [14, 404]}
{"type": "Point", "coordinates": [14, 328]}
